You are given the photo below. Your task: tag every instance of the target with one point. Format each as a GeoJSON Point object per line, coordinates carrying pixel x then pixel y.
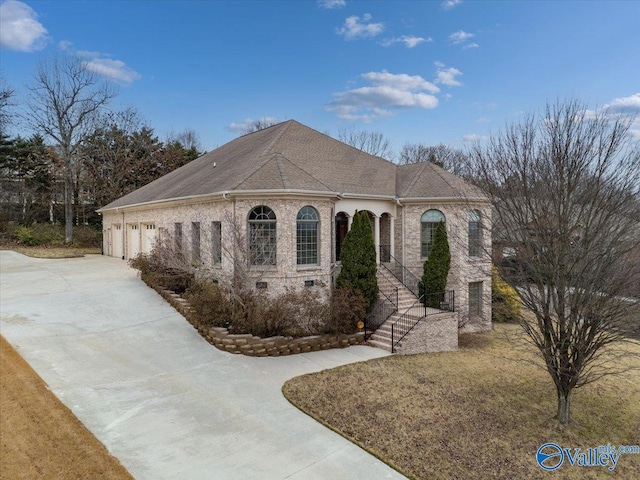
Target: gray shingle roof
{"type": "Point", "coordinates": [291, 156]}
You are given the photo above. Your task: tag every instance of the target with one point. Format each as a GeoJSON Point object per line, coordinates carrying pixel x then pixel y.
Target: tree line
{"type": "Point", "coordinates": [81, 155]}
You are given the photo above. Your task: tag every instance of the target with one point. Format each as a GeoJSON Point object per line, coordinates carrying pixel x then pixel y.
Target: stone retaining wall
{"type": "Point", "coordinates": [251, 345]}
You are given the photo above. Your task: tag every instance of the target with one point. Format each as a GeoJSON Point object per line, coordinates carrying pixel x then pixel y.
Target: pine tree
{"type": "Point", "coordinates": [358, 257]}
{"type": "Point", "coordinates": [436, 269]}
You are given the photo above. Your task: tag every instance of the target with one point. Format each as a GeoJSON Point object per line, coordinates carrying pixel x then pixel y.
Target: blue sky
{"type": "Point", "coordinates": [421, 71]}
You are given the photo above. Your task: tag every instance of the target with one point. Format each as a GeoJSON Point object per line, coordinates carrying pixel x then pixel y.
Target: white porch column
{"type": "Point", "coordinates": [392, 236]}
{"type": "Point", "coordinates": [349, 222]}
{"type": "Point", "coordinates": [376, 236]}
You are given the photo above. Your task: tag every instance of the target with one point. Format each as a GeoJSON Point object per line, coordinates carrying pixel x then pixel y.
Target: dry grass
{"type": "Point", "coordinates": [52, 252]}
{"type": "Point", "coordinates": [39, 437]}
{"type": "Point", "coordinates": [481, 412]}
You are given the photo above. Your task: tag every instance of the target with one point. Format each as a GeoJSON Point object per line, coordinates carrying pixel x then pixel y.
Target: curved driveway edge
{"type": "Point", "coordinates": [161, 399]}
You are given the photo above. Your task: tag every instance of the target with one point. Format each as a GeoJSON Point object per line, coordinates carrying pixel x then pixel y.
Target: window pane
{"type": "Point", "coordinates": [475, 299]}
{"type": "Point", "coordinates": [428, 224]}
{"type": "Point", "coordinates": [475, 234]}
{"type": "Point", "coordinates": [262, 236]}
{"type": "Point", "coordinates": [307, 236]}
{"type": "Point", "coordinates": [195, 242]}
{"type": "Point", "coordinates": [216, 242]}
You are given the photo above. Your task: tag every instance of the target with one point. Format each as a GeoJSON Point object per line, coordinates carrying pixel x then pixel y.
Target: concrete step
{"type": "Point", "coordinates": [377, 344]}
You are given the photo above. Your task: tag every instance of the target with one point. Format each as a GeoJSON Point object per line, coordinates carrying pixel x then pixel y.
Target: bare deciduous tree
{"type": "Point", "coordinates": [64, 102]}
{"type": "Point", "coordinates": [261, 124]}
{"type": "Point", "coordinates": [449, 158]}
{"type": "Point", "coordinates": [6, 95]}
{"type": "Point", "coordinates": [373, 143]}
{"type": "Point", "coordinates": [565, 187]}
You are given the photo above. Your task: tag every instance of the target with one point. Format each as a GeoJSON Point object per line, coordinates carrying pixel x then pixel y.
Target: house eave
{"type": "Point", "coordinates": [225, 195]}
{"type": "Point", "coordinates": [406, 200]}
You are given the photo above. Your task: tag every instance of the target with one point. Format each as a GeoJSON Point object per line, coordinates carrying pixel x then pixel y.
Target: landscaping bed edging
{"type": "Point", "coordinates": [247, 344]}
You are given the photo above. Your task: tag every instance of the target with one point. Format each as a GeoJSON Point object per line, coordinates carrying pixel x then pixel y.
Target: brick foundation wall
{"type": "Point", "coordinates": [436, 333]}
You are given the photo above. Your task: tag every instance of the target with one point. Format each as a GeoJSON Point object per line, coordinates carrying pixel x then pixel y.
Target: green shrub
{"type": "Point", "coordinates": [40, 234]}
{"type": "Point", "coordinates": [436, 269]}
{"type": "Point", "coordinates": [358, 257]}
{"type": "Point", "coordinates": [505, 304]}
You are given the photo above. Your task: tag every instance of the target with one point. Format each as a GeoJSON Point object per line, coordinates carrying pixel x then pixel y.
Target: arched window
{"type": "Point", "coordinates": [428, 224]}
{"type": "Point", "coordinates": [475, 234]}
{"type": "Point", "coordinates": [307, 236]}
{"type": "Point", "coordinates": [262, 236]}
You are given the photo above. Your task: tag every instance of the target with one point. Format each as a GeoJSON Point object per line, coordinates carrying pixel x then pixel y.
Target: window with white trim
{"type": "Point", "coordinates": [475, 234]}
{"type": "Point", "coordinates": [428, 224]}
{"type": "Point", "coordinates": [262, 236]}
{"type": "Point", "coordinates": [307, 223]}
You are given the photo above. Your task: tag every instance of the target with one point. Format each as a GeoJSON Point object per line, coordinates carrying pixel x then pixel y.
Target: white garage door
{"type": "Point", "coordinates": [133, 241]}
{"type": "Point", "coordinates": [148, 237]}
{"type": "Point", "coordinates": [117, 241]}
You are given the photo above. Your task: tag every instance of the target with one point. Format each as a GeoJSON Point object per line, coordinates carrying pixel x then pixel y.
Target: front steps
{"type": "Point", "coordinates": [387, 283]}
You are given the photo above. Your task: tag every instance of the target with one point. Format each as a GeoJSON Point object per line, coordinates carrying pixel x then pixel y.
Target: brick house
{"type": "Point", "coordinates": [292, 192]}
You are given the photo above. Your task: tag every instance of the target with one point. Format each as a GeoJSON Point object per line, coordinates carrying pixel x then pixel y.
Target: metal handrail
{"type": "Point", "coordinates": [399, 271]}
{"type": "Point", "coordinates": [419, 310]}
{"type": "Point", "coordinates": [380, 313]}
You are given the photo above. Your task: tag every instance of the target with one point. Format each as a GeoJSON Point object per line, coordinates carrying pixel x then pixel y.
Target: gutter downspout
{"type": "Point", "coordinates": [402, 239]}
{"type": "Point", "coordinates": [124, 227]}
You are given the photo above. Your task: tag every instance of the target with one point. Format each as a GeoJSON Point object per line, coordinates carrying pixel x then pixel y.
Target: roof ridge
{"type": "Point", "coordinates": [415, 177]}
{"type": "Point", "coordinates": [454, 187]}
{"type": "Point", "coordinates": [307, 173]}
{"type": "Point", "coordinates": [260, 167]}
{"type": "Point", "coordinates": [281, 168]}
{"type": "Point", "coordinates": [267, 149]}
{"type": "Point", "coordinates": [265, 152]}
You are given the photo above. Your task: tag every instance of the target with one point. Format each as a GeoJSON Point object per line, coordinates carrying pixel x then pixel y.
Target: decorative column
{"type": "Point", "coordinates": [376, 236]}
{"type": "Point", "coordinates": [392, 236]}
{"type": "Point", "coordinates": [349, 222]}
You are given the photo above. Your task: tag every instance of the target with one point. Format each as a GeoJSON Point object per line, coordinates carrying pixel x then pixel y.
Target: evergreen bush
{"type": "Point", "coordinates": [436, 269]}
{"type": "Point", "coordinates": [358, 257]}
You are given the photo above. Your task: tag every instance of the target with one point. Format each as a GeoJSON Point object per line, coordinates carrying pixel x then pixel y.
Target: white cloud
{"type": "Point", "coordinates": [20, 29]}
{"type": "Point", "coordinates": [102, 64]}
{"type": "Point", "coordinates": [409, 41]}
{"type": "Point", "coordinates": [483, 120]}
{"type": "Point", "coordinates": [331, 4]}
{"type": "Point", "coordinates": [449, 4]}
{"type": "Point", "coordinates": [353, 28]}
{"type": "Point", "coordinates": [473, 137]}
{"type": "Point", "coordinates": [447, 76]}
{"type": "Point", "coordinates": [624, 105]}
{"type": "Point", "coordinates": [386, 92]}
{"type": "Point", "coordinates": [460, 36]}
{"type": "Point", "coordinates": [247, 123]}
{"type": "Point", "coordinates": [113, 69]}
{"type": "Point", "coordinates": [470, 45]}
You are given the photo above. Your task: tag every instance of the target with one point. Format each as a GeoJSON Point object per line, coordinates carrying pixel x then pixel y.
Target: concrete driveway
{"type": "Point", "coordinates": [159, 397]}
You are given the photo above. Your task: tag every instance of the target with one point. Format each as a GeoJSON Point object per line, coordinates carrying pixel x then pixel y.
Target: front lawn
{"type": "Point", "coordinates": [480, 412]}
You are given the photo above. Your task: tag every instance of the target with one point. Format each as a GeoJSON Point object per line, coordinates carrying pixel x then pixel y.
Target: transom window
{"type": "Point", "coordinates": [262, 236]}
{"type": "Point", "coordinates": [475, 234]}
{"type": "Point", "coordinates": [307, 236]}
{"type": "Point", "coordinates": [428, 224]}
